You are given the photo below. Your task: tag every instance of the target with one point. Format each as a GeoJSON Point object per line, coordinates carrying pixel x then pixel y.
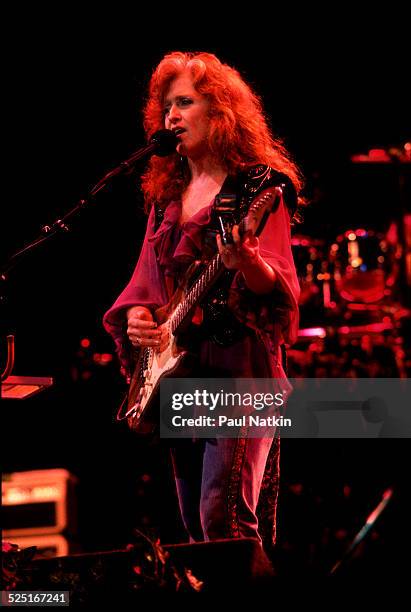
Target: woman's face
{"type": "Point", "coordinates": [186, 113]}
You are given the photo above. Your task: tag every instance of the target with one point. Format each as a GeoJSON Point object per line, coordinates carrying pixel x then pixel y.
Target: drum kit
{"type": "Point", "coordinates": [350, 306]}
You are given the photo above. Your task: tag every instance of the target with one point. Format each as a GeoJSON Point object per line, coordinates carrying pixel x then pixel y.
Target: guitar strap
{"type": "Point", "coordinates": [238, 193]}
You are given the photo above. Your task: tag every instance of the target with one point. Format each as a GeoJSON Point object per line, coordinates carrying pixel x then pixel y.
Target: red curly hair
{"type": "Point", "coordinates": [239, 135]}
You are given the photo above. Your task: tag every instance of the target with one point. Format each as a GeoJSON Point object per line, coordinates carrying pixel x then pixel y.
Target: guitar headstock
{"type": "Point", "coordinates": [260, 209]}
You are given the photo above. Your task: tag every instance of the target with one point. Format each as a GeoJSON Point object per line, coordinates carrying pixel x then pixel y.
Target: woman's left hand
{"type": "Point", "coordinates": [243, 253]}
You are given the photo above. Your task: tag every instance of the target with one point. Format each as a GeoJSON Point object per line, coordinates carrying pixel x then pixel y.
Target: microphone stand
{"type": "Point", "coordinates": [47, 231]}
{"type": "Point", "coordinates": [60, 225]}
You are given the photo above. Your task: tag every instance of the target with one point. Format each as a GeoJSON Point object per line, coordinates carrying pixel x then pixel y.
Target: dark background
{"type": "Point", "coordinates": [75, 95]}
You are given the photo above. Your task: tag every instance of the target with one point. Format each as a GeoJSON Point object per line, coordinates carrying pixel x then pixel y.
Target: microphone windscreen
{"type": "Point", "coordinates": [165, 141]}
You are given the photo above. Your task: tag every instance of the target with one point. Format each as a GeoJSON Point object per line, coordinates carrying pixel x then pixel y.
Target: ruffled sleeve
{"type": "Point", "coordinates": [146, 288]}
{"type": "Point", "coordinates": [274, 315]}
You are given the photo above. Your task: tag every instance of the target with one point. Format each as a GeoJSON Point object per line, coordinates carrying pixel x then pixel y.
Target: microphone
{"type": "Point", "coordinates": [162, 143]}
{"type": "Point", "coordinates": [165, 142]}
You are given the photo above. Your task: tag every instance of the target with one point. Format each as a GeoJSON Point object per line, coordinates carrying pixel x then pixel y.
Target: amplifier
{"type": "Point", "coordinates": [38, 502]}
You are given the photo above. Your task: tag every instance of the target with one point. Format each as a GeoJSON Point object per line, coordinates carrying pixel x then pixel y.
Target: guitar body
{"type": "Point", "coordinates": [152, 366]}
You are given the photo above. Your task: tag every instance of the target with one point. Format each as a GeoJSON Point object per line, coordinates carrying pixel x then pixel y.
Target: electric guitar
{"type": "Point", "coordinates": [151, 365]}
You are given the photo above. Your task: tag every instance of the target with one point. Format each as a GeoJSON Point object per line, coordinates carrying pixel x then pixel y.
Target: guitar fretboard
{"type": "Point", "coordinates": [196, 293]}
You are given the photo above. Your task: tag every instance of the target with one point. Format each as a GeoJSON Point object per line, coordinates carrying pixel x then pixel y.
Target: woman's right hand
{"type": "Point", "coordinates": [141, 328]}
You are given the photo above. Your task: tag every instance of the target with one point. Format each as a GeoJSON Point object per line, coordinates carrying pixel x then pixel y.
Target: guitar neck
{"type": "Point", "coordinates": [197, 292]}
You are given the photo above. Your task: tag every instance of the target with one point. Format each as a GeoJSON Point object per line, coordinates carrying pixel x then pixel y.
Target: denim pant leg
{"type": "Point", "coordinates": [233, 470]}
{"type": "Point", "coordinates": [187, 460]}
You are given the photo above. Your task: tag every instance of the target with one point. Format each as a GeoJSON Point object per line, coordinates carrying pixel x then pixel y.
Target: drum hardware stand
{"type": "Point", "coordinates": [369, 525]}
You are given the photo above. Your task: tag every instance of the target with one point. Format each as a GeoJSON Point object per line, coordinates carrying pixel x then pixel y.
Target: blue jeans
{"type": "Point", "coordinates": [218, 484]}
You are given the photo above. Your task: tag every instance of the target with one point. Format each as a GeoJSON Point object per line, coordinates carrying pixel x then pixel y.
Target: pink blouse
{"type": "Point", "coordinates": [166, 252]}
